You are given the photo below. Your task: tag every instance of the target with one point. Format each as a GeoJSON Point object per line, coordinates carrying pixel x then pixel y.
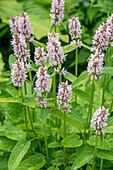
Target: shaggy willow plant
{"type": "Point", "coordinates": [45, 129]}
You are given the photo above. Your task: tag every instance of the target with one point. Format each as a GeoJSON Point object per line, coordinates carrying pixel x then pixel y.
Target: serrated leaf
{"type": "Point", "coordinates": [81, 94]}
{"type": "Point", "coordinates": [13, 110]}
{"type": "Point", "coordinates": [54, 145]}
{"type": "Point", "coordinates": [105, 144]}
{"type": "Point", "coordinates": [1, 62]}
{"type": "Point", "coordinates": [34, 162]}
{"type": "Point", "coordinates": [18, 153]}
{"type": "Point", "coordinates": [80, 79]}
{"type": "Point", "coordinates": [12, 132]}
{"type": "Point", "coordinates": [70, 77]}
{"type": "Point", "coordinates": [82, 159]}
{"type": "Point", "coordinates": [108, 155]}
{"type": "Point", "coordinates": [72, 141]}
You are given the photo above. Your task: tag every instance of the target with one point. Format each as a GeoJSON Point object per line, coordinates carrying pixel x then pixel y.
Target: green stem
{"type": "Point", "coordinates": [90, 108]}
{"type": "Point", "coordinates": [101, 164]}
{"type": "Point", "coordinates": [34, 130]}
{"type": "Point", "coordinates": [76, 63]}
{"type": "Point", "coordinates": [96, 142]}
{"type": "Point", "coordinates": [64, 134]}
{"type": "Point", "coordinates": [24, 114]}
{"type": "Point", "coordinates": [54, 86]}
{"type": "Point", "coordinates": [46, 143]}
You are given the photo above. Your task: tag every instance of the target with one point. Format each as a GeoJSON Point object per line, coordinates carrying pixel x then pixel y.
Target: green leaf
{"type": "Point", "coordinates": [108, 155]}
{"type": "Point", "coordinates": [31, 7]}
{"type": "Point", "coordinates": [12, 60]}
{"type": "Point", "coordinates": [86, 46]}
{"type": "Point", "coordinates": [109, 129]}
{"type": "Point", "coordinates": [12, 7]}
{"type": "Point", "coordinates": [12, 132]}
{"type": "Point", "coordinates": [10, 100]}
{"type": "Point", "coordinates": [69, 48]}
{"type": "Point", "coordinates": [13, 110]}
{"type": "Point", "coordinates": [72, 141]}
{"type": "Point", "coordinates": [70, 77]}
{"type": "Point", "coordinates": [81, 94]}
{"type": "Point", "coordinates": [34, 162]}
{"type": "Point", "coordinates": [39, 44]}
{"type": "Point", "coordinates": [105, 144]}
{"type": "Point", "coordinates": [54, 145]}
{"type": "Point", "coordinates": [6, 144]}
{"type": "Point", "coordinates": [80, 79]}
{"type": "Point", "coordinates": [107, 70]}
{"type": "Point", "coordinates": [18, 153]}
{"type": "Point", "coordinates": [58, 113]}
{"type": "Point", "coordinates": [1, 62]}
{"type": "Point", "coordinates": [13, 91]}
{"type": "Point", "coordinates": [43, 26]}
{"type": "Point", "coordinates": [29, 102]}
{"type": "Point", "coordinates": [82, 159]}
{"type": "Point", "coordinates": [43, 114]}
{"type": "Point", "coordinates": [3, 79]}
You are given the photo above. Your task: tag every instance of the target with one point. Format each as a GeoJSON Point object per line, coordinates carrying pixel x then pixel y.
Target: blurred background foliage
{"type": "Point", "coordinates": [90, 12]}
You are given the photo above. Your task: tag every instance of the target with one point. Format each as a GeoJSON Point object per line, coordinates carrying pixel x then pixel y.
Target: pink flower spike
{"type": "Point", "coordinates": [98, 120]}
{"type": "Point", "coordinates": [57, 12]}
{"type": "Point", "coordinates": [64, 96]}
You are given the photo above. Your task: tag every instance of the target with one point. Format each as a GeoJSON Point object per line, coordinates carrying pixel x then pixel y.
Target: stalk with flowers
{"type": "Point", "coordinates": [41, 91]}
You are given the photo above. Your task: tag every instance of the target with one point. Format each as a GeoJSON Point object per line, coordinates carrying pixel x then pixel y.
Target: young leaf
{"type": "Point", "coordinates": [18, 153]}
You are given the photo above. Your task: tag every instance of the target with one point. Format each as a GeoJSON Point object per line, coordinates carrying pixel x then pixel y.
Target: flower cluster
{"type": "Point", "coordinates": [100, 39]}
{"type": "Point", "coordinates": [40, 56]}
{"type": "Point", "coordinates": [57, 12]}
{"type": "Point", "coordinates": [95, 65]}
{"type": "Point", "coordinates": [42, 84]}
{"type": "Point", "coordinates": [22, 26]}
{"type": "Point", "coordinates": [75, 31]}
{"type": "Point", "coordinates": [64, 96]}
{"type": "Point", "coordinates": [20, 47]}
{"type": "Point", "coordinates": [18, 73]}
{"type": "Point", "coordinates": [98, 120]}
{"type": "Point", "coordinates": [55, 51]}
